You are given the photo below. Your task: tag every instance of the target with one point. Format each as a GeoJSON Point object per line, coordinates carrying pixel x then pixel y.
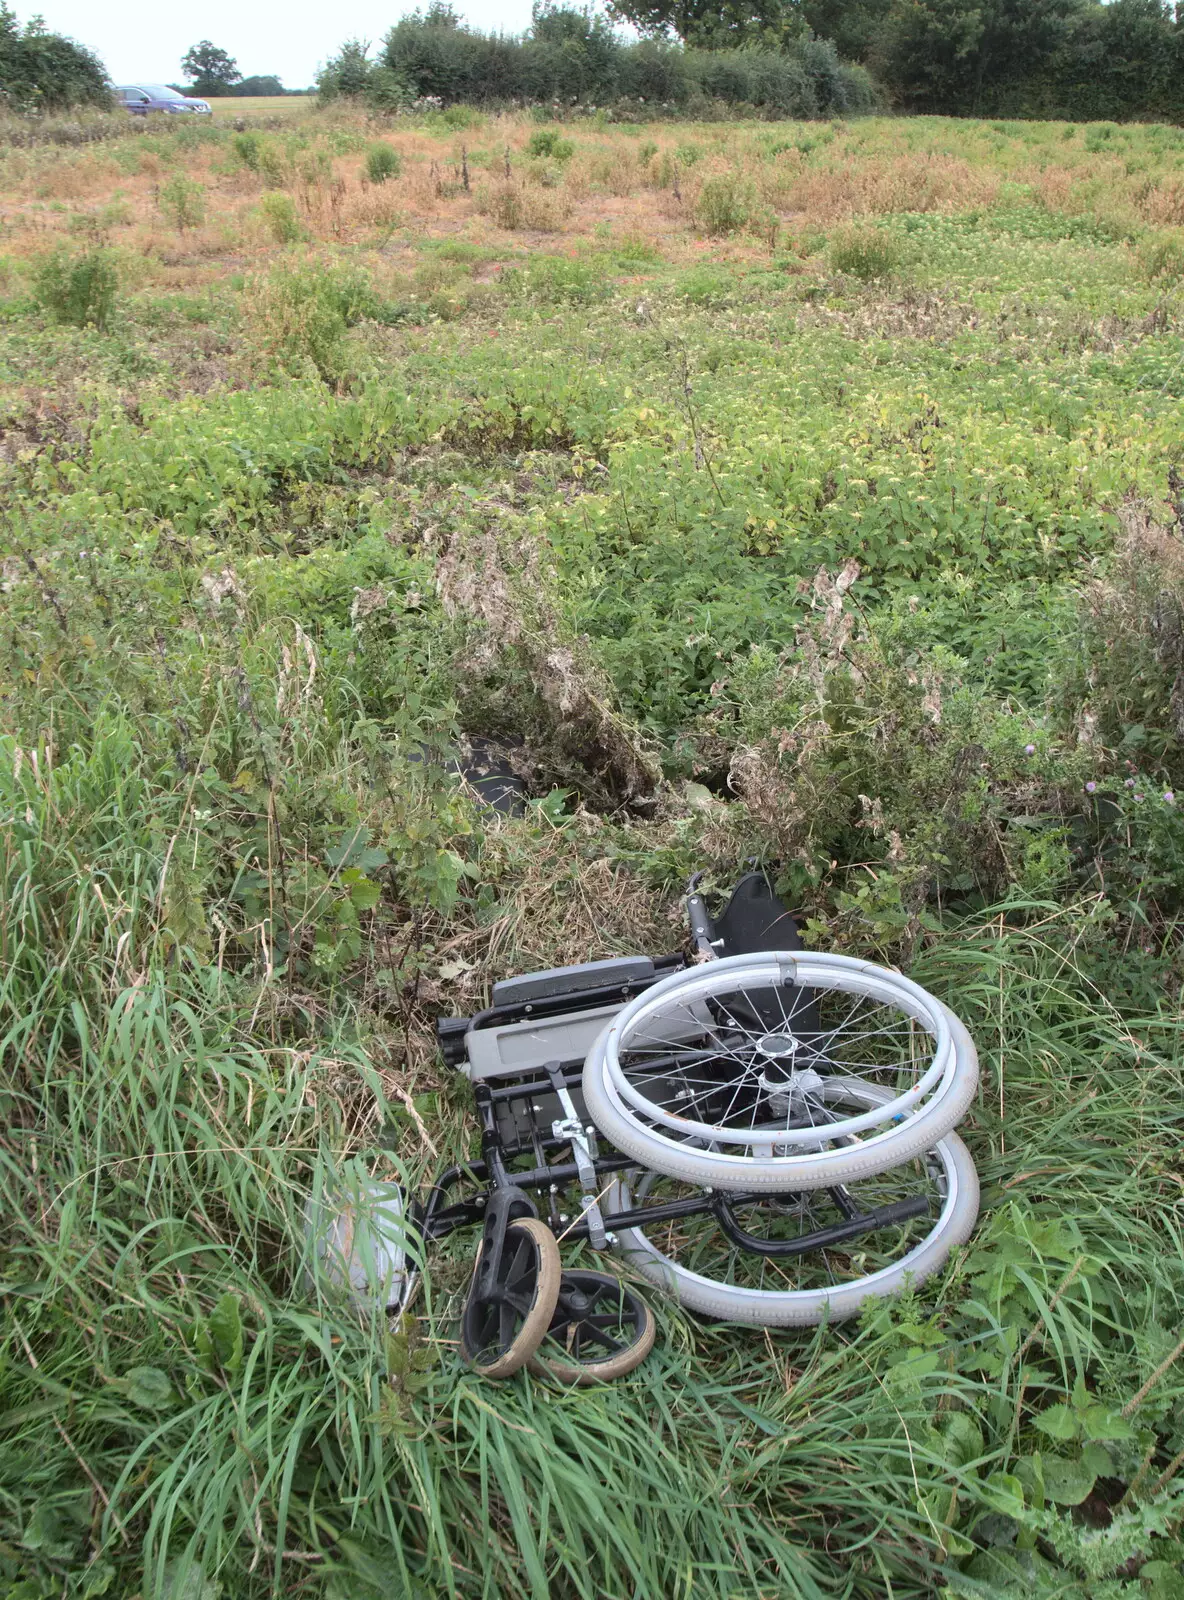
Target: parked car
{"type": "Point", "coordinates": [140, 99]}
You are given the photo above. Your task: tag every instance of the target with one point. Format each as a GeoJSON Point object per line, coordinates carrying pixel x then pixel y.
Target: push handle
{"type": "Point", "coordinates": [702, 927]}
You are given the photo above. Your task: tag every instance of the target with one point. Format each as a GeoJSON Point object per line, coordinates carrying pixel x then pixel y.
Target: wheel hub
{"type": "Point", "coordinates": [777, 1046]}
{"type": "Point", "coordinates": [788, 1092]}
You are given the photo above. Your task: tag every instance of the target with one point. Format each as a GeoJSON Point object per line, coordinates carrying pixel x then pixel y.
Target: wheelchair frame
{"type": "Point", "coordinates": [536, 1140]}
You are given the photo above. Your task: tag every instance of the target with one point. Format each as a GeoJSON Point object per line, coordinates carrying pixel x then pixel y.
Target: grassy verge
{"type": "Point", "coordinates": [799, 493]}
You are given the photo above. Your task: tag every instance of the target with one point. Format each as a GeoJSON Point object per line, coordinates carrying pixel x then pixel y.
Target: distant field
{"type": "Point", "coordinates": [247, 105]}
{"type": "Point", "coordinates": [807, 493]}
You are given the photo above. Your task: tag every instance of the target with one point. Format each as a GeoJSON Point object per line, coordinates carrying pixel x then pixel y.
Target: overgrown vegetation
{"type": "Point", "coordinates": [778, 58]}
{"type": "Point", "coordinates": [1068, 58]}
{"type": "Point", "coordinates": [809, 494]}
{"type": "Point", "coordinates": [78, 289]}
{"type": "Point", "coordinates": [44, 71]}
{"type": "Point", "coordinates": [572, 58]}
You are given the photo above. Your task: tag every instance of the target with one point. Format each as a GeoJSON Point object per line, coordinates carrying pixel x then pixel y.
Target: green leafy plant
{"type": "Point", "coordinates": [1162, 255]}
{"type": "Point", "coordinates": [723, 204]}
{"type": "Point", "coordinates": [382, 162]}
{"type": "Point", "coordinates": [550, 143]}
{"type": "Point", "coordinates": [78, 290]}
{"type": "Point", "coordinates": [274, 163]}
{"type": "Point", "coordinates": [246, 146]}
{"type": "Point", "coordinates": [183, 202]}
{"type": "Point", "coordinates": [867, 252]}
{"type": "Point", "coordinates": [278, 211]}
{"type": "Point", "coordinates": [298, 315]}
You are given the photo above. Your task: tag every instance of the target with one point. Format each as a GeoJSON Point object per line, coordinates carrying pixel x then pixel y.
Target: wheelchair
{"type": "Point", "coordinates": [761, 1131]}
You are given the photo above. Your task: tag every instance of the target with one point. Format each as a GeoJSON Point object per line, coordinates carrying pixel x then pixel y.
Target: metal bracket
{"type": "Point", "coordinates": [584, 1153]}
{"type": "Point", "coordinates": [583, 1149]}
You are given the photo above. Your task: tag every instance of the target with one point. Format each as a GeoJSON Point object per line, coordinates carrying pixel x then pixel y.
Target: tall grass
{"type": "Point", "coordinates": [583, 500]}
{"type": "Point", "coordinates": [187, 1403]}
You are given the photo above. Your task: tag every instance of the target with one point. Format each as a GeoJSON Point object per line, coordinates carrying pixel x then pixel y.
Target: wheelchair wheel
{"type": "Point", "coordinates": [601, 1330]}
{"type": "Point", "coordinates": [702, 1265]}
{"type": "Point", "coordinates": [501, 1330]}
{"type": "Point", "coordinates": [725, 1074]}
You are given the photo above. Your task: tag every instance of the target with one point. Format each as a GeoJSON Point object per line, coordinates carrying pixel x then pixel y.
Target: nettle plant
{"type": "Point", "coordinates": [851, 749]}
{"type": "Point", "coordinates": [1008, 1458]}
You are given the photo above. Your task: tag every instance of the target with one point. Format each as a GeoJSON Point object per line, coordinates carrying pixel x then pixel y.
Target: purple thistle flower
{"type": "Point", "coordinates": [1138, 796]}
{"type": "Point", "coordinates": [1029, 749]}
{"type": "Point", "coordinates": [1090, 786]}
{"type": "Point", "coordinates": [1169, 797]}
{"type": "Point", "coordinates": [1130, 783]}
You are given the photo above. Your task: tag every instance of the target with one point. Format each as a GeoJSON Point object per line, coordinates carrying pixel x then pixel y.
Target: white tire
{"type": "Point", "coordinates": [778, 1171]}
{"type": "Point", "coordinates": [757, 1020]}
{"type": "Point", "coordinates": [790, 1308]}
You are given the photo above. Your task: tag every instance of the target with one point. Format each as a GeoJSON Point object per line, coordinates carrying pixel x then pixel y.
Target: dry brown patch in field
{"type": "Point", "coordinates": [75, 178]}
{"type": "Point", "coordinates": [908, 313]}
{"type": "Point", "coordinates": [365, 206]}
{"type": "Point", "coordinates": [881, 188]}
{"type": "Point", "coordinates": [515, 206]}
{"type": "Point", "coordinates": [1165, 202]}
{"type": "Point", "coordinates": [1054, 188]}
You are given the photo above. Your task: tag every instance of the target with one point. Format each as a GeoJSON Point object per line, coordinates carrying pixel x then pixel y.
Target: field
{"type": "Point", "coordinates": [260, 105]}
{"type": "Point", "coordinates": [805, 493]}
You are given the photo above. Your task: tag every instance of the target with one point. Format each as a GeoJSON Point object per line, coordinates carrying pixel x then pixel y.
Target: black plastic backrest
{"type": "Point", "coordinates": [754, 919]}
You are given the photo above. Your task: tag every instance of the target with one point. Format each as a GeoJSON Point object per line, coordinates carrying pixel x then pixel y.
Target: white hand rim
{"type": "Point", "coordinates": [807, 969]}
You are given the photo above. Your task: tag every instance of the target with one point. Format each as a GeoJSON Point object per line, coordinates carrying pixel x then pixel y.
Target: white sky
{"type": "Point", "coordinates": [145, 39]}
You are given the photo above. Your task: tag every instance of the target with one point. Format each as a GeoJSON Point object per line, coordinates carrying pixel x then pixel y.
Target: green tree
{"type": "Point", "coordinates": [852, 26]}
{"type": "Point", "coordinates": [960, 55]}
{"type": "Point", "coordinates": [713, 24]}
{"type": "Point", "coordinates": [570, 54]}
{"type": "Point", "coordinates": [263, 83]}
{"type": "Point", "coordinates": [43, 71]}
{"type": "Point", "coordinates": [346, 75]}
{"type": "Point", "coordinates": [1124, 60]}
{"type": "Point", "coordinates": [211, 69]}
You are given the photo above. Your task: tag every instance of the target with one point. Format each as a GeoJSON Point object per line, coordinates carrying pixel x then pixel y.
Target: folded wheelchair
{"type": "Point", "coordinates": [761, 1131]}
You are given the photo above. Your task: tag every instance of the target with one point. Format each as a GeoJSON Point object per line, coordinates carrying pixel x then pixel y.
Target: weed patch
{"type": "Point", "coordinates": [867, 253]}
{"type": "Point", "coordinates": [723, 205]}
{"type": "Point", "coordinates": [280, 216]}
{"type": "Point", "coordinates": [382, 163]}
{"type": "Point", "coordinates": [78, 290]}
{"type": "Point", "coordinates": [183, 202]}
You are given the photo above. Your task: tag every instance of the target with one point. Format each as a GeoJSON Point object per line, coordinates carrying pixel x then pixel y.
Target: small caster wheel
{"type": "Point", "coordinates": [504, 1323]}
{"type": "Point", "coordinates": [600, 1330]}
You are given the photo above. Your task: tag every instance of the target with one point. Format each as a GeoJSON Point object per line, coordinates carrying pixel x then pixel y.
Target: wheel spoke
{"type": "Point", "coordinates": [752, 1073]}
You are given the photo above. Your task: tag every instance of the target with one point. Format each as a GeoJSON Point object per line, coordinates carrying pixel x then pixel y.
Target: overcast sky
{"type": "Point", "coordinates": [145, 39]}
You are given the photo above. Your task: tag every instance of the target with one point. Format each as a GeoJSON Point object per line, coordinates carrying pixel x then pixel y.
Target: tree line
{"type": "Point", "coordinates": [1074, 59]}
{"type": "Point", "coordinates": [575, 57]}
{"type": "Point", "coordinates": [1077, 59]}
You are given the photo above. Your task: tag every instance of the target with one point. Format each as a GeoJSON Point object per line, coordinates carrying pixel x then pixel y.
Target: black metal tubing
{"type": "Point", "coordinates": [440, 1220]}
{"type": "Point", "coordinates": [821, 1238]}
{"type": "Point", "coordinates": [505, 1197]}
{"type": "Point", "coordinates": [699, 1205]}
